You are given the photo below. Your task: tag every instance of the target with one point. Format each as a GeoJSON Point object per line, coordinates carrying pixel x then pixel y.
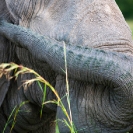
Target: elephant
{"type": "Point", "coordinates": [99, 52]}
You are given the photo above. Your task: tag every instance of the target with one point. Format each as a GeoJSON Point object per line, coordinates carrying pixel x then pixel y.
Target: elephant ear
{"type": "Point", "coordinates": [6, 50]}
{"type": "Point", "coordinates": [5, 56]}
{"type": "Point", "coordinates": [4, 85]}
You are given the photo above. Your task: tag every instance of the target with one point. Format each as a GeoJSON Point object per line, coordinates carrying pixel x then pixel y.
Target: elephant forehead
{"type": "Point", "coordinates": [27, 9]}
{"type": "Point", "coordinates": [90, 24]}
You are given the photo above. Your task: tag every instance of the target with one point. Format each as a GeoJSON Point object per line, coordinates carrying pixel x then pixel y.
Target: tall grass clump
{"type": "Point", "coordinates": [7, 68]}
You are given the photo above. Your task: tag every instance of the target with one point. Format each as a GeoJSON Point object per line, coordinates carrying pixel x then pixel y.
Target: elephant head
{"type": "Point", "coordinates": [99, 58]}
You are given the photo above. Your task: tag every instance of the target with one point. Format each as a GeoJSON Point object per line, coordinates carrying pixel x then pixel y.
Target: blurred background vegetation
{"type": "Point", "coordinates": [126, 7]}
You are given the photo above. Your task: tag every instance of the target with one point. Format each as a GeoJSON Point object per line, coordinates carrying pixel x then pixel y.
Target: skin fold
{"type": "Point", "coordinates": [99, 58]}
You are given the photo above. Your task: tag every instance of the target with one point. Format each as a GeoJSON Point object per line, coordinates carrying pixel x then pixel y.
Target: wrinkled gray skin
{"type": "Point", "coordinates": [99, 53]}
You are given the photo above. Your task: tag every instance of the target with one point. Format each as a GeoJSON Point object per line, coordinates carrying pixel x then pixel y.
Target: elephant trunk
{"type": "Point", "coordinates": [87, 64]}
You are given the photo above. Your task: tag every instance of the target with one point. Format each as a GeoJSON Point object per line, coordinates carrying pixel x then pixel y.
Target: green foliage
{"type": "Point", "coordinates": [15, 113]}
{"type": "Point", "coordinates": [130, 23]}
{"type": "Point", "coordinates": [126, 7]}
